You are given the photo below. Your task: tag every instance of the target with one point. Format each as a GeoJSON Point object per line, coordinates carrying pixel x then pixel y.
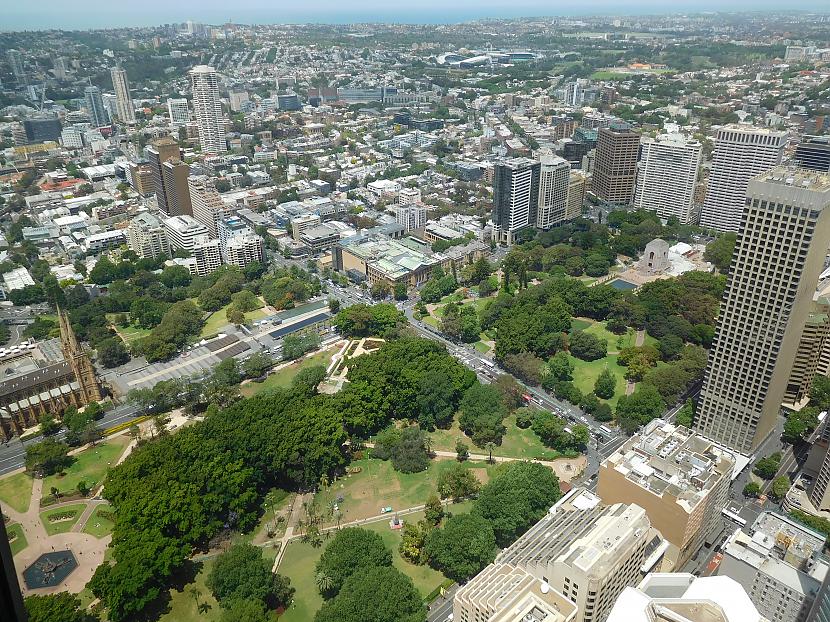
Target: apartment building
{"type": "Point", "coordinates": [179, 112]}
{"type": "Point", "coordinates": [208, 109]}
{"type": "Point", "coordinates": [411, 216]}
{"type": "Point", "coordinates": [813, 343]}
{"type": "Point", "coordinates": [515, 197]}
{"type": "Point", "coordinates": [174, 175]}
{"type": "Point", "coordinates": [577, 189]}
{"type": "Point", "coordinates": [554, 181]}
{"type": "Point", "coordinates": [183, 231]}
{"type": "Point", "coordinates": [779, 254]}
{"type": "Point", "coordinates": [123, 100]}
{"type": "Point", "coordinates": [666, 176]}
{"type": "Point", "coordinates": [208, 255]}
{"type": "Point", "coordinates": [243, 250]}
{"type": "Point", "coordinates": [678, 477]}
{"type": "Point", "coordinates": [207, 204]}
{"type": "Point", "coordinates": [158, 152]}
{"type": "Point", "coordinates": [146, 237]}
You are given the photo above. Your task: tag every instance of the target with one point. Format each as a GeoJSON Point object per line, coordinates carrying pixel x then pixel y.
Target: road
{"type": "Point", "coordinates": [13, 453]}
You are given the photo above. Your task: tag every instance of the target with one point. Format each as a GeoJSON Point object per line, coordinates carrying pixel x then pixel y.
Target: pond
{"type": "Point", "coordinates": [622, 284]}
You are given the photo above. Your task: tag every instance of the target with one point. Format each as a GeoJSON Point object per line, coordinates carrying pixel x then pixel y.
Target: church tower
{"type": "Point", "coordinates": [78, 360]}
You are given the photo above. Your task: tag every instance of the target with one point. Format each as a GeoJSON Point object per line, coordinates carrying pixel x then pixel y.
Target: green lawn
{"type": "Point", "coordinates": [259, 532]}
{"type": "Point", "coordinates": [610, 75]}
{"type": "Point", "coordinates": [517, 443]}
{"type": "Point", "coordinates": [183, 606]}
{"type": "Point", "coordinates": [62, 526]}
{"type": "Point", "coordinates": [587, 372]}
{"type": "Point", "coordinates": [285, 376]}
{"type": "Point", "coordinates": [428, 319]}
{"type": "Point", "coordinates": [128, 334]}
{"type": "Point", "coordinates": [615, 342]}
{"type": "Point", "coordinates": [97, 525]}
{"type": "Point", "coordinates": [89, 466]}
{"type": "Point", "coordinates": [17, 538]}
{"type": "Point", "coordinates": [378, 485]}
{"type": "Point", "coordinates": [16, 490]}
{"type": "Point", "coordinates": [218, 320]}
{"type": "Point", "coordinates": [579, 324]}
{"type": "Point", "coordinates": [481, 347]}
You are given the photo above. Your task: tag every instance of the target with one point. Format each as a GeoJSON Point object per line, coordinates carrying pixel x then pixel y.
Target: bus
{"type": "Point", "coordinates": [527, 398]}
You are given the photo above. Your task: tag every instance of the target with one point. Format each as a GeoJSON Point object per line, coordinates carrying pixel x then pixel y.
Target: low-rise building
{"type": "Point", "coordinates": [97, 242]}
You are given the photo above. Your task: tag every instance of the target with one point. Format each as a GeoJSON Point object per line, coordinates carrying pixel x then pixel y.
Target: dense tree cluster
{"type": "Point", "coordinates": [365, 320]}
{"type": "Point", "coordinates": [405, 447]}
{"type": "Point", "coordinates": [438, 286]}
{"type": "Point", "coordinates": [242, 574]}
{"type": "Point", "coordinates": [289, 286]}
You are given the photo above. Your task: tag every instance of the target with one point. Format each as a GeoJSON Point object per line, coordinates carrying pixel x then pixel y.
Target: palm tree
{"type": "Point", "coordinates": [490, 446]}
{"type": "Point", "coordinates": [324, 582]}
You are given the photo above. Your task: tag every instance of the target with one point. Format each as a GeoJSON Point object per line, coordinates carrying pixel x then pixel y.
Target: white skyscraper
{"type": "Point", "coordinates": [741, 153]}
{"type": "Point", "coordinates": [125, 111]}
{"type": "Point", "coordinates": [208, 109]}
{"type": "Point", "coordinates": [666, 176]}
{"type": "Point", "coordinates": [554, 178]}
{"type": "Point", "coordinates": [179, 112]}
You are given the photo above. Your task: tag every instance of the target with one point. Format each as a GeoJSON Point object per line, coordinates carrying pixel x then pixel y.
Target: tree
{"type": "Point", "coordinates": [60, 607]}
{"type": "Point", "coordinates": [350, 550]}
{"type": "Point", "coordinates": [435, 400]}
{"type": "Point", "coordinates": [308, 378]}
{"type": "Point", "coordinates": [462, 450]}
{"type": "Point", "coordinates": [685, 416]}
{"type": "Point", "coordinates": [767, 467]}
{"type": "Point", "coordinates": [482, 414]}
{"type": "Point", "coordinates": [752, 489]}
{"type": "Point", "coordinates": [257, 365]}
{"type": "Point", "coordinates": [605, 385]}
{"type": "Point", "coordinates": [413, 537]}
{"type": "Point", "coordinates": [242, 573]}
{"type": "Point", "coordinates": [561, 367]}
{"type": "Point", "coordinates": [526, 366]}
{"type": "Point", "coordinates": [297, 344]}
{"type": "Point", "coordinates": [637, 409]}
{"type": "Point", "coordinates": [462, 547]}
{"type": "Point", "coordinates": [380, 290]}
{"type": "Point", "coordinates": [457, 482]}
{"type": "Point", "coordinates": [516, 497]}
{"type": "Point", "coordinates": [49, 425]}
{"type": "Point", "coordinates": [433, 510]}
{"type": "Point", "coordinates": [780, 486]}
{"type": "Point", "coordinates": [376, 594]}
{"type": "Point", "coordinates": [47, 457]}
{"type": "Point", "coordinates": [820, 392]}
{"type": "Point", "coordinates": [112, 353]}
{"type": "Point", "coordinates": [245, 611]}
{"type": "Point", "coordinates": [399, 291]}
{"type": "Point", "coordinates": [235, 316]}
{"type": "Point", "coordinates": [586, 346]}
{"type": "Point", "coordinates": [719, 251]}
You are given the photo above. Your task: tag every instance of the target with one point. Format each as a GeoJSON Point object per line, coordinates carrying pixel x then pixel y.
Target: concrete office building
{"type": "Point", "coordinates": [741, 153]}
{"type": "Point", "coordinates": [123, 100]}
{"type": "Point", "coordinates": [179, 112]}
{"type": "Point", "coordinates": [615, 165]}
{"type": "Point", "coordinates": [141, 178]}
{"type": "Point", "coordinates": [505, 593]}
{"type": "Point", "coordinates": [666, 176]}
{"type": "Point", "coordinates": [679, 478]}
{"type": "Point", "coordinates": [158, 152]}
{"type": "Point", "coordinates": [577, 189]}
{"type": "Point", "coordinates": [146, 237]}
{"type": "Point", "coordinates": [408, 196]}
{"type": "Point", "coordinates": [780, 565]}
{"type": "Point", "coordinates": [683, 597]}
{"type": "Point", "coordinates": [208, 109]}
{"type": "Point", "coordinates": [175, 175]}
{"type": "Point", "coordinates": [237, 99]}
{"type": "Point", "coordinates": [243, 250]}
{"type": "Point", "coordinates": [814, 153]}
{"type": "Point", "coordinates": [587, 551]}
{"type": "Point", "coordinates": [42, 129]}
{"type": "Point", "coordinates": [821, 606]}
{"type": "Point", "coordinates": [183, 231]}
{"type": "Point", "coordinates": [515, 197]}
{"type": "Point", "coordinates": [301, 223]}
{"type": "Point", "coordinates": [808, 356]}
{"type": "Point", "coordinates": [411, 216]}
{"type": "Point", "coordinates": [779, 254]}
{"type": "Point", "coordinates": [554, 179]}
{"type": "Point", "coordinates": [208, 206]}
{"type": "Point", "coordinates": [95, 107]}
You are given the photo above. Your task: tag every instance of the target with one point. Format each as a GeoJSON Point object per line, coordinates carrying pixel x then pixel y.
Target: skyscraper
{"type": "Point", "coordinates": [95, 106]}
{"type": "Point", "coordinates": [783, 236]}
{"type": "Point", "coordinates": [515, 197]}
{"type": "Point", "coordinates": [123, 100]}
{"type": "Point", "coordinates": [666, 176]}
{"type": "Point", "coordinates": [179, 112]}
{"type": "Point", "coordinates": [615, 165]}
{"type": "Point", "coordinates": [554, 178]}
{"type": "Point", "coordinates": [158, 153]}
{"type": "Point", "coordinates": [741, 153]}
{"type": "Point", "coordinates": [208, 109]}
{"type": "Point", "coordinates": [16, 64]}
{"type": "Point", "coordinates": [814, 153]}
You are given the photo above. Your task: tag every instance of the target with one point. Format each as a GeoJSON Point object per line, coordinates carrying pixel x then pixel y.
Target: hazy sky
{"type": "Point", "coordinates": [38, 14]}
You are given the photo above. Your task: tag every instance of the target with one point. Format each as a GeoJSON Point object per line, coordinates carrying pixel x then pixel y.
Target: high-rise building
{"type": "Point", "coordinates": [146, 237]}
{"type": "Point", "coordinates": [123, 100]}
{"type": "Point", "coordinates": [158, 152]}
{"type": "Point", "coordinates": [779, 254]}
{"type": "Point", "coordinates": [174, 174]}
{"type": "Point", "coordinates": [208, 109]}
{"type": "Point", "coordinates": [577, 189]}
{"type": "Point", "coordinates": [179, 112]}
{"type": "Point", "coordinates": [412, 216]}
{"type": "Point", "coordinates": [808, 356]}
{"type": "Point", "coordinates": [141, 178]}
{"type": "Point", "coordinates": [42, 129]}
{"type": "Point", "coordinates": [515, 197]}
{"type": "Point", "coordinates": [679, 478]}
{"type": "Point", "coordinates": [615, 165]}
{"type": "Point", "coordinates": [780, 565]}
{"type": "Point", "coordinates": [554, 179]}
{"type": "Point", "coordinates": [666, 176]}
{"type": "Point", "coordinates": [183, 232]}
{"type": "Point", "coordinates": [16, 64]}
{"type": "Point", "coordinates": [821, 606]}
{"type": "Point", "coordinates": [95, 107]}
{"type": "Point", "coordinates": [741, 153]}
{"type": "Point", "coordinates": [208, 255]}
{"type": "Point", "coordinates": [242, 250]}
{"type": "Point", "coordinates": [813, 152]}
{"type": "Point", "coordinates": [208, 206]}
{"type": "Point", "coordinates": [237, 99]}
{"type": "Point", "coordinates": [682, 597]}
{"type": "Point", "coordinates": [587, 551]}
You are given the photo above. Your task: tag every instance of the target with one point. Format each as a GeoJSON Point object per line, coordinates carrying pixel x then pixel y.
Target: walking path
{"type": "Point", "coordinates": [639, 341]}
{"type": "Point", "coordinates": [293, 520]}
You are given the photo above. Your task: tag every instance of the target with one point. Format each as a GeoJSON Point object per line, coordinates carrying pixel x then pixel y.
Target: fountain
{"type": "Point", "coordinates": [50, 569]}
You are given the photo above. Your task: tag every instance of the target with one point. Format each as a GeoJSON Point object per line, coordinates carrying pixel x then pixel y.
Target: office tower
{"type": "Point", "coordinates": [683, 597]}
{"type": "Point", "coordinates": [40, 130]}
{"type": "Point", "coordinates": [141, 178]}
{"type": "Point", "coordinates": [813, 152]}
{"type": "Point", "coordinates": [679, 478]}
{"type": "Point", "coordinates": [242, 250]}
{"type": "Point", "coordinates": [554, 179]}
{"type": "Point", "coordinates": [158, 152]}
{"type": "Point", "coordinates": [179, 112]}
{"type": "Point", "coordinates": [577, 188]}
{"type": "Point", "coordinates": [808, 356]}
{"type": "Point", "coordinates": [741, 153]}
{"type": "Point", "coordinates": [16, 64]}
{"type": "Point", "coordinates": [666, 176]}
{"type": "Point", "coordinates": [73, 137]}
{"type": "Point", "coordinates": [821, 606]}
{"type": "Point", "coordinates": [95, 106]}
{"type": "Point", "coordinates": [301, 223]}
{"type": "Point", "coordinates": [183, 231]}
{"type": "Point", "coordinates": [174, 174]}
{"type": "Point", "coordinates": [779, 563]}
{"type": "Point", "coordinates": [588, 552]}
{"type": "Point", "coordinates": [123, 100]}
{"type": "Point", "coordinates": [208, 207]}
{"type": "Point", "coordinates": [779, 254]}
{"type": "Point", "coordinates": [505, 593]}
{"type": "Point", "coordinates": [412, 217]}
{"type": "Point", "coordinates": [615, 166]}
{"type": "Point", "coordinates": [515, 197]}
{"type": "Point", "coordinates": [208, 109]}
{"type": "Point", "coordinates": [146, 237]}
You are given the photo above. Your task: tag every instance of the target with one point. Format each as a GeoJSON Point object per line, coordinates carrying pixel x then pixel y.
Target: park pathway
{"type": "Point", "coordinates": [84, 517]}
{"type": "Point", "coordinates": [639, 341]}
{"type": "Point", "coordinates": [293, 520]}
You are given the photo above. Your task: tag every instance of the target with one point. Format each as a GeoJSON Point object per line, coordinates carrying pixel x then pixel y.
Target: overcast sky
{"type": "Point", "coordinates": [21, 14]}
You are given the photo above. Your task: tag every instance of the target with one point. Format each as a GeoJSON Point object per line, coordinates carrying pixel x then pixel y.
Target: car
{"type": "Point", "coordinates": [386, 510]}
